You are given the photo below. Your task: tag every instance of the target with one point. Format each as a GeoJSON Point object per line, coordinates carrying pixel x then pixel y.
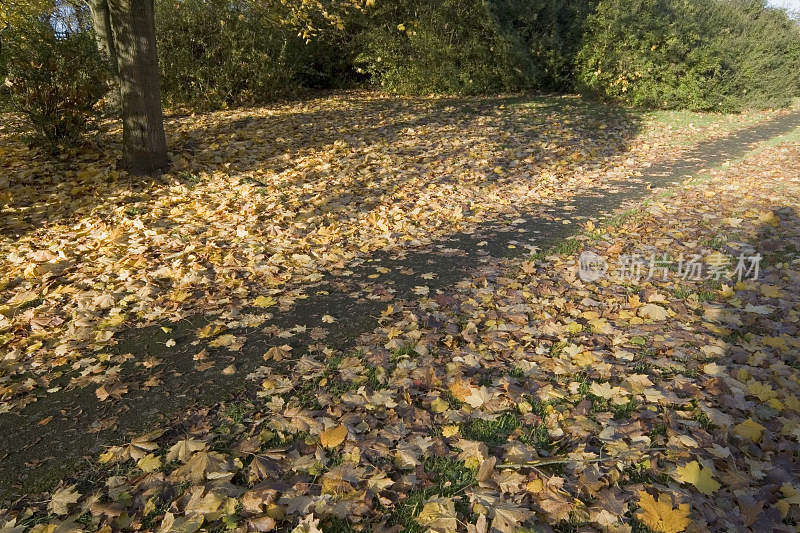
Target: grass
{"type": "Point", "coordinates": [564, 247]}
{"type": "Point", "coordinates": [791, 137]}
{"type": "Point", "coordinates": [492, 432]}
{"type": "Point", "coordinates": [448, 478]}
{"type": "Point", "coordinates": [496, 432]}
{"type": "Point", "coordinates": [340, 525]}
{"type": "Point", "coordinates": [620, 219]}
{"type": "Point", "coordinates": [407, 350]}
{"type": "Point", "coordinates": [681, 119]}
{"type": "Point", "coordinates": [684, 293]}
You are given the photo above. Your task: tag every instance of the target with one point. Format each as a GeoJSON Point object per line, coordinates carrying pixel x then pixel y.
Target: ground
{"type": "Point", "coordinates": [365, 313]}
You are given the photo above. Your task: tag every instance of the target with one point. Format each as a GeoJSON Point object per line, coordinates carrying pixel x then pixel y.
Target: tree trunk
{"type": "Point", "coordinates": [101, 20]}
{"type": "Point", "coordinates": [144, 141]}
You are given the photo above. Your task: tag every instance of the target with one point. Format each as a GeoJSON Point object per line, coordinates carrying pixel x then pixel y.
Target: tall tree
{"type": "Point", "coordinates": [125, 31]}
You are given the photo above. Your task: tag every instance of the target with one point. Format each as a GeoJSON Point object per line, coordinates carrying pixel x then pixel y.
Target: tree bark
{"type": "Point", "coordinates": [144, 141]}
{"type": "Point", "coordinates": [101, 20]}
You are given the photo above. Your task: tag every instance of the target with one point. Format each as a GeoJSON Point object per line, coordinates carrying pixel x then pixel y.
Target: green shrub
{"type": "Point", "coordinates": [762, 48]}
{"type": "Point", "coordinates": [220, 53]}
{"type": "Point", "coordinates": [722, 55]}
{"type": "Point", "coordinates": [470, 46]}
{"type": "Point", "coordinates": [53, 81]}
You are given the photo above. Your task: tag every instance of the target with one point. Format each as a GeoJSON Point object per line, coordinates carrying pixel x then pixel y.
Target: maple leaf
{"type": "Point", "coordinates": [141, 445]}
{"type": "Point", "coordinates": [379, 482]}
{"type": "Point", "coordinates": [478, 396]}
{"type": "Point", "coordinates": [333, 437]}
{"type": "Point", "coordinates": [653, 312]}
{"type": "Point", "coordinates": [700, 477]}
{"type": "Point", "coordinates": [449, 431]}
{"type": "Point", "coordinates": [184, 524]}
{"type": "Point", "coordinates": [149, 463]}
{"type": "Point", "coordinates": [117, 390]}
{"type": "Point", "coordinates": [439, 514]}
{"type": "Point", "coordinates": [508, 516]}
{"type": "Point", "coordinates": [225, 341]}
{"type": "Point", "coordinates": [205, 465]}
{"type": "Point", "coordinates": [309, 524]}
{"type": "Point", "coordinates": [265, 301]}
{"type": "Point", "coordinates": [183, 449]}
{"type": "Point", "coordinates": [749, 429]}
{"type": "Point", "coordinates": [439, 405]}
{"type": "Point", "coordinates": [605, 390]}
{"type": "Point", "coordinates": [659, 515]}
{"type": "Point", "coordinates": [203, 504]}
{"type": "Point", "coordinates": [339, 480]}
{"type": "Point", "coordinates": [480, 525]}
{"type": "Point", "coordinates": [62, 499]}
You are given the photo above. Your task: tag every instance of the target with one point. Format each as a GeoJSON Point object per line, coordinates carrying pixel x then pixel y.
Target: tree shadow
{"type": "Point", "coordinates": [420, 135]}
{"type": "Point", "coordinates": [492, 139]}
{"type": "Point", "coordinates": [184, 385]}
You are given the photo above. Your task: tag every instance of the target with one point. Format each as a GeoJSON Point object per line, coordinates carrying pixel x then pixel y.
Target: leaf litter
{"type": "Point", "coordinates": [522, 398]}
{"type": "Point", "coordinates": [263, 202]}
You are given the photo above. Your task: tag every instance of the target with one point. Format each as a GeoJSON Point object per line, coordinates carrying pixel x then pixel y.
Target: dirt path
{"type": "Point", "coordinates": [33, 456]}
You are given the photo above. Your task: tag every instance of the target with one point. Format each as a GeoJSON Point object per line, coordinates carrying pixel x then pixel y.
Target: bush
{"type": "Point", "coordinates": [220, 53]}
{"type": "Point", "coordinates": [692, 54]}
{"type": "Point", "coordinates": [53, 81]}
{"type": "Point", "coordinates": [470, 46]}
{"type": "Point", "coordinates": [761, 49]}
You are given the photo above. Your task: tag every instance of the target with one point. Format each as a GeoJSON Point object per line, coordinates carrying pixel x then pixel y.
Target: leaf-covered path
{"type": "Point", "coordinates": [161, 371]}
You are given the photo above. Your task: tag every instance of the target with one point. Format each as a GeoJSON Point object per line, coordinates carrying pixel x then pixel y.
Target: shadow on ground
{"type": "Point", "coordinates": [56, 190]}
{"type": "Point", "coordinates": [35, 457]}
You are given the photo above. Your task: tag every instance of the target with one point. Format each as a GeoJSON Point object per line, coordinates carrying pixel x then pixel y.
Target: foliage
{"type": "Point", "coordinates": [14, 12]}
{"type": "Point", "coordinates": [219, 53]}
{"type": "Point", "coordinates": [763, 47]}
{"type": "Point", "coordinates": [470, 47]}
{"type": "Point", "coordinates": [700, 55]}
{"type": "Point", "coordinates": [53, 80]}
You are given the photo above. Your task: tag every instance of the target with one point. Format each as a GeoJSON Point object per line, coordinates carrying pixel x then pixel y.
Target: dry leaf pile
{"type": "Point", "coordinates": [523, 399]}
{"type": "Point", "coordinates": [263, 201]}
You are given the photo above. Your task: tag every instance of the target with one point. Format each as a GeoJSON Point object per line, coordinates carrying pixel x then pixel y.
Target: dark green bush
{"type": "Point", "coordinates": [219, 53]}
{"type": "Point", "coordinates": [761, 48]}
{"type": "Point", "coordinates": [722, 55]}
{"type": "Point", "coordinates": [54, 81]}
{"type": "Point", "coordinates": [470, 46]}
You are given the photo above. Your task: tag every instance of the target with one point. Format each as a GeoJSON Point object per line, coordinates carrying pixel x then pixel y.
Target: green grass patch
{"type": "Point", "coordinates": [448, 478]}
{"type": "Point", "coordinates": [492, 432]}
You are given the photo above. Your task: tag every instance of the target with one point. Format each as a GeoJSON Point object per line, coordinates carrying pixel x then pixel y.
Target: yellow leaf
{"type": "Point", "coordinates": [653, 312]}
{"type": "Point", "coordinates": [149, 463]}
{"type": "Point", "coordinates": [449, 431]}
{"type": "Point", "coordinates": [771, 291]}
{"type": "Point", "coordinates": [264, 301]}
{"type": "Point", "coordinates": [700, 477]}
{"type": "Point", "coordinates": [762, 391]}
{"type": "Point", "coordinates": [660, 516]}
{"type": "Point", "coordinates": [62, 499]}
{"type": "Point", "coordinates": [331, 438]}
{"type": "Point", "coordinates": [535, 486]}
{"type": "Point", "coordinates": [585, 358]}
{"type": "Point", "coordinates": [439, 406]}
{"type": "Point", "coordinates": [768, 217]}
{"type": "Point", "coordinates": [749, 429]}
{"type": "Point", "coordinates": [601, 325]}
{"type": "Point", "coordinates": [439, 514]}
{"type": "Point", "coordinates": [726, 292]}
